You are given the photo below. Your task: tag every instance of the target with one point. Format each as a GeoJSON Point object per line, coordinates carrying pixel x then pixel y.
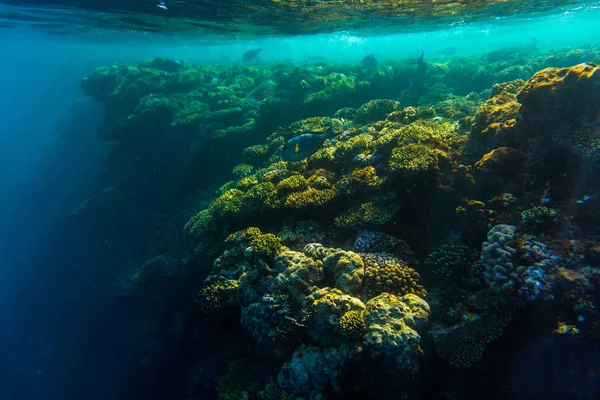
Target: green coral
{"type": "Point", "coordinates": [413, 158]}
{"type": "Point", "coordinates": [367, 213]}
{"type": "Point", "coordinates": [240, 382]}
{"type": "Point", "coordinates": [376, 110]}
{"type": "Point", "coordinates": [291, 184]}
{"type": "Point", "coordinates": [309, 198]}
{"type": "Point", "coordinates": [327, 308]}
{"type": "Point", "coordinates": [216, 294]}
{"type": "Point", "coordinates": [386, 273]}
{"type": "Point", "coordinates": [336, 86]}
{"type": "Point", "coordinates": [313, 124]}
{"type": "Point", "coordinates": [353, 325]}
{"type": "Point", "coordinates": [247, 182]}
{"type": "Point", "coordinates": [255, 242]}
{"type": "Point", "coordinates": [244, 129]}
{"type": "Point", "coordinates": [200, 223]}
{"type": "Point", "coordinates": [256, 155]}
{"type": "Point", "coordinates": [262, 196]}
{"type": "Point", "coordinates": [422, 132]}
{"type": "Point", "coordinates": [450, 263]}
{"type": "Point", "coordinates": [347, 270]}
{"type": "Point", "coordinates": [231, 203]}
{"type": "Point", "coordinates": [391, 328]}
{"type": "Point", "coordinates": [359, 180]}
{"type": "Point", "coordinates": [273, 392]}
{"type": "Point", "coordinates": [242, 170]}
{"type": "Point", "coordinates": [540, 217]}
{"type": "Point", "coordinates": [466, 342]}
{"type": "Point", "coordinates": [226, 186]}
{"type": "Point", "coordinates": [320, 179]}
{"type": "Point", "coordinates": [353, 146]}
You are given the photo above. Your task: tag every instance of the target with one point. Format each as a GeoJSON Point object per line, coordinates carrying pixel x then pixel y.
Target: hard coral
{"type": "Point", "coordinates": [466, 342]}
{"type": "Point", "coordinates": [231, 203]}
{"type": "Point", "coordinates": [347, 270]}
{"type": "Point", "coordinates": [358, 181]}
{"type": "Point", "coordinates": [369, 213]}
{"type": "Point", "coordinates": [540, 217]}
{"type": "Point", "coordinates": [391, 328]}
{"type": "Point", "coordinates": [253, 241]}
{"type": "Point", "coordinates": [376, 110]}
{"type": "Point", "coordinates": [327, 308]}
{"type": "Point", "coordinates": [413, 159]}
{"type": "Point", "coordinates": [309, 198]}
{"type": "Point", "coordinates": [387, 273]}
{"type": "Point", "coordinates": [498, 255]}
{"type": "Point", "coordinates": [451, 263]}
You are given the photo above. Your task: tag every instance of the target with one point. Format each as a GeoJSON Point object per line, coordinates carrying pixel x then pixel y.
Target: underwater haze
{"type": "Point", "coordinates": [299, 200]}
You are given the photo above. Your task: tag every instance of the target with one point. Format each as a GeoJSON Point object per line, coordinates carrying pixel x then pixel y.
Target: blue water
{"type": "Point", "coordinates": [63, 335]}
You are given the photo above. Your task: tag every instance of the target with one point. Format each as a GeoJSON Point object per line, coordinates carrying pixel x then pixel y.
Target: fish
{"type": "Point", "coordinates": [251, 54]}
{"type": "Point", "coordinates": [161, 4]}
{"type": "Point", "coordinates": [304, 145]}
{"type": "Point", "coordinates": [419, 73]}
{"type": "Point", "coordinates": [369, 61]}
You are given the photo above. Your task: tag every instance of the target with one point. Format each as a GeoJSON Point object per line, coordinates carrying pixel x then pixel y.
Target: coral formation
{"type": "Point", "coordinates": [391, 328]}
{"type": "Point", "coordinates": [341, 264]}
{"type": "Point", "coordinates": [386, 273]}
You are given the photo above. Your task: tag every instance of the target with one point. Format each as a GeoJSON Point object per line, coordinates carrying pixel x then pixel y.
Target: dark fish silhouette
{"type": "Point", "coordinates": [448, 51]}
{"type": "Point", "coordinates": [369, 61]}
{"type": "Point", "coordinates": [304, 145]}
{"type": "Point", "coordinates": [420, 71]}
{"type": "Point", "coordinates": [251, 54]}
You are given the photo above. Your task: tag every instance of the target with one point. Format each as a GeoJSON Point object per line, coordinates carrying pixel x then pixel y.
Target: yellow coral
{"type": "Point", "coordinates": [320, 179]}
{"type": "Point", "coordinates": [291, 184]}
{"type": "Point", "coordinates": [216, 294]}
{"type": "Point", "coordinates": [242, 170]}
{"type": "Point", "coordinates": [347, 270]}
{"type": "Point", "coordinates": [366, 213]}
{"type": "Point", "coordinates": [309, 197]}
{"type": "Point", "coordinates": [353, 325]}
{"type": "Point", "coordinates": [262, 196]}
{"type": "Point", "coordinates": [357, 180]}
{"type": "Point", "coordinates": [413, 158]}
{"type": "Point", "coordinates": [356, 145]}
{"type": "Point", "coordinates": [229, 203]}
{"type": "Point", "coordinates": [256, 242]}
{"type": "Point", "coordinates": [199, 223]}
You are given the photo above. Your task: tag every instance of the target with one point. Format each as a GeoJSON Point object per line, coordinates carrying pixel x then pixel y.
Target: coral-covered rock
{"type": "Point", "coordinates": [392, 325]}
{"type": "Point", "coordinates": [330, 323]}
{"type": "Point", "coordinates": [387, 273]}
{"type": "Point", "coordinates": [347, 270]}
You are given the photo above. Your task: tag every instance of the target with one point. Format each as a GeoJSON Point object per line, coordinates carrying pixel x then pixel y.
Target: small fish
{"type": "Point", "coordinates": [161, 4]}
{"type": "Point", "coordinates": [587, 197]}
{"type": "Point", "coordinates": [251, 54]}
{"type": "Point", "coordinates": [305, 145]}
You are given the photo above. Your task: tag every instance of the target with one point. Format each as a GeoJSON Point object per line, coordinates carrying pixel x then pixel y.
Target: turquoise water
{"type": "Point", "coordinates": [123, 175]}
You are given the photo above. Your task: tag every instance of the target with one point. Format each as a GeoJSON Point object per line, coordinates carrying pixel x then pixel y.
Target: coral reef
{"type": "Point", "coordinates": [358, 260]}
{"type": "Point", "coordinates": [391, 328]}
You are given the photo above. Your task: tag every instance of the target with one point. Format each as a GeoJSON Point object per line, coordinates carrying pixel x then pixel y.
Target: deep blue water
{"type": "Point", "coordinates": [63, 334]}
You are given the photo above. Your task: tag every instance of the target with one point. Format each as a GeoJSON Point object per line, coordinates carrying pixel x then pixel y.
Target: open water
{"type": "Point", "coordinates": [119, 187]}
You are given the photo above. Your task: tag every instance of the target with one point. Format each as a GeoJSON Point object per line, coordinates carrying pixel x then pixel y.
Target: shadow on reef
{"type": "Point", "coordinates": [431, 250]}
